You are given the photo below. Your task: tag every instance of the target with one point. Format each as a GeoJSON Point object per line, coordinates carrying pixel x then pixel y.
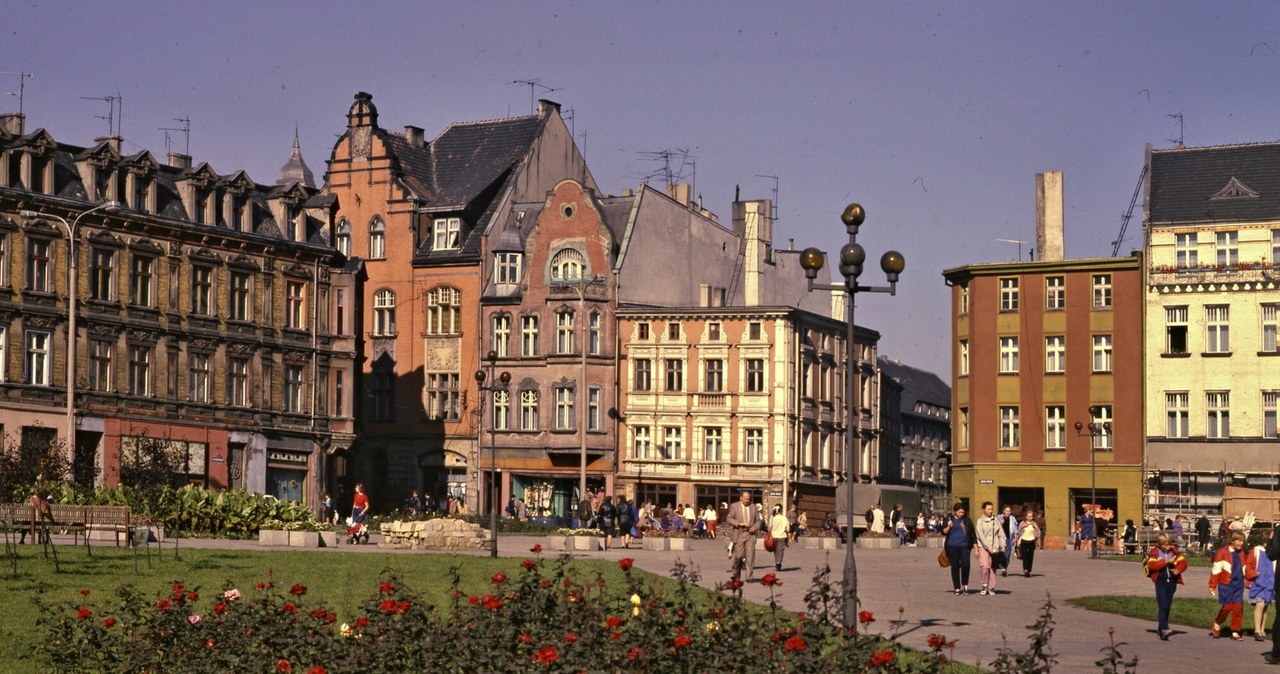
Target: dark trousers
{"type": "Point", "coordinates": [1028, 550]}
{"type": "Point", "coordinates": [1165, 587]}
{"type": "Point", "coordinates": [959, 556]}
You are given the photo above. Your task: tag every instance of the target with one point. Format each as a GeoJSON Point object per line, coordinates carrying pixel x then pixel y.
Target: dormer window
{"type": "Point", "coordinates": [567, 265]}
{"type": "Point", "coordinates": [506, 268]}
{"type": "Point", "coordinates": [201, 203]}
{"type": "Point", "coordinates": [447, 232]}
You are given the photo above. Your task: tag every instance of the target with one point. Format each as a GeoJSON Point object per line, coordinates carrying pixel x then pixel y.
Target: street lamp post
{"type": "Point", "coordinates": [495, 385]}
{"type": "Point", "coordinates": [1096, 430]}
{"type": "Point", "coordinates": [852, 256]}
{"type": "Point", "coordinates": [73, 282]}
{"type": "Point", "coordinates": [580, 287]}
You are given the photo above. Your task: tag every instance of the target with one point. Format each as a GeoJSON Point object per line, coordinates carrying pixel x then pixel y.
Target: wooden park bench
{"type": "Point", "coordinates": [77, 520]}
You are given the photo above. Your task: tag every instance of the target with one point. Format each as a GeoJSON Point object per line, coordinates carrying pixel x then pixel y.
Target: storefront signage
{"type": "Point", "coordinates": [986, 480]}
{"type": "Point", "coordinates": [287, 457]}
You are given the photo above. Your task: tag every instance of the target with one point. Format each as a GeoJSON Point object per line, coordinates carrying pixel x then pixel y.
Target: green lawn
{"type": "Point", "coordinates": [1193, 610]}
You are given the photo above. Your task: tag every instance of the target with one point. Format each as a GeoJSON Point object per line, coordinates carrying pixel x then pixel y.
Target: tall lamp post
{"type": "Point", "coordinates": [852, 256]}
{"type": "Point", "coordinates": [494, 386]}
{"type": "Point", "coordinates": [73, 282]}
{"type": "Point", "coordinates": [1096, 430]}
{"type": "Point", "coordinates": [580, 286]}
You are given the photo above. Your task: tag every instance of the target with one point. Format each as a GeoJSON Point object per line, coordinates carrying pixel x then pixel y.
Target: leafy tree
{"type": "Point", "coordinates": [34, 460]}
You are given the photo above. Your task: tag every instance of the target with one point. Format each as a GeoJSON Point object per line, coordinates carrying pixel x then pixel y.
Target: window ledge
{"type": "Point", "coordinates": [1181, 354]}
{"type": "Point", "coordinates": [1216, 354]}
{"type": "Point", "coordinates": [1268, 353]}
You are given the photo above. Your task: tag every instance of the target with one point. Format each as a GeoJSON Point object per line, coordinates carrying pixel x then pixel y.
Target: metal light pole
{"type": "Point", "coordinates": [73, 282]}
{"type": "Point", "coordinates": [500, 384]}
{"type": "Point", "coordinates": [580, 287]}
{"type": "Point", "coordinates": [852, 256]}
{"type": "Point", "coordinates": [1096, 429]}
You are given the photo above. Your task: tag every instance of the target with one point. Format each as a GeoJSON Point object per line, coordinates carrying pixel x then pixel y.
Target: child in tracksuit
{"type": "Point", "coordinates": [1232, 572]}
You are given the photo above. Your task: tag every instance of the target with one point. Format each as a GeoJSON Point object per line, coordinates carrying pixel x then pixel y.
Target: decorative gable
{"type": "Point", "coordinates": [1235, 189]}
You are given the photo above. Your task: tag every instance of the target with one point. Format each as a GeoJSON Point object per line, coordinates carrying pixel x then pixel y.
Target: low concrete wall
{"type": "Point", "coordinates": [441, 533]}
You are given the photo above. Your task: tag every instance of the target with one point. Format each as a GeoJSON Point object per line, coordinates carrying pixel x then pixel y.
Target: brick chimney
{"type": "Point", "coordinates": [179, 160]}
{"type": "Point", "coordinates": [1049, 216]}
{"type": "Point", "coordinates": [414, 135]}
{"type": "Point", "coordinates": [13, 123]}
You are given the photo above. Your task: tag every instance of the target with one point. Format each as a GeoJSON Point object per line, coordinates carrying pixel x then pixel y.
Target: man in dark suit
{"type": "Point", "coordinates": [744, 522]}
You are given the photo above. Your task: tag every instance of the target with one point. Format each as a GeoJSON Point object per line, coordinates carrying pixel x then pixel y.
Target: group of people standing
{"type": "Point", "coordinates": [993, 540]}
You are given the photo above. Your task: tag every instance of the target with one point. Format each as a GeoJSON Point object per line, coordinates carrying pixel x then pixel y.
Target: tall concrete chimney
{"type": "Point", "coordinates": [1049, 216]}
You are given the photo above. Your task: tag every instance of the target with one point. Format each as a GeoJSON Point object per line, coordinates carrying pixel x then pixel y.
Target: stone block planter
{"type": "Point", "coordinates": [328, 539]}
{"type": "Point", "coordinates": [273, 537]}
{"type": "Point", "coordinates": [304, 539]}
{"type": "Point", "coordinates": [586, 542]}
{"type": "Point", "coordinates": [932, 542]}
{"type": "Point", "coordinates": [659, 543]}
{"type": "Point", "coordinates": [865, 543]}
{"type": "Point", "coordinates": [819, 543]}
{"type": "Point", "coordinates": [556, 543]}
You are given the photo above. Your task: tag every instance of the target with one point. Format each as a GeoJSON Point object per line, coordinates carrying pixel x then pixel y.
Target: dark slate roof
{"type": "Point", "coordinates": [415, 165]}
{"type": "Point", "coordinates": [617, 213]}
{"type": "Point", "coordinates": [1229, 183]}
{"type": "Point", "coordinates": [295, 170]}
{"type": "Point", "coordinates": [472, 156]}
{"type": "Point", "coordinates": [917, 385]}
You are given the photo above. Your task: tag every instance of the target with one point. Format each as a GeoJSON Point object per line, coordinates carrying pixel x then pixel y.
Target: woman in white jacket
{"type": "Point", "coordinates": [779, 527]}
{"type": "Point", "coordinates": [990, 546]}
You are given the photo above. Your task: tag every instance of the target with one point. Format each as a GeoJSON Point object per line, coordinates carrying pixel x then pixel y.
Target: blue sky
{"type": "Point", "coordinates": [935, 116]}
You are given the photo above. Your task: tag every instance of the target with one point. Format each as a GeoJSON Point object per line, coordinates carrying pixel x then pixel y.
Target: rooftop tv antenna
{"type": "Point", "coordinates": [186, 130]}
{"type": "Point", "coordinates": [677, 165]}
{"type": "Point", "coordinates": [115, 112]}
{"type": "Point", "coordinates": [534, 85]}
{"type": "Point", "coordinates": [22, 85]}
{"type": "Point", "coordinates": [774, 208]}
{"type": "Point", "coordinates": [1017, 241]}
{"type": "Point", "coordinates": [1177, 116]}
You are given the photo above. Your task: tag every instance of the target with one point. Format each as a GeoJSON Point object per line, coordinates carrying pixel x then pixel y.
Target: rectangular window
{"type": "Point", "coordinates": [201, 290]}
{"type": "Point", "coordinates": [564, 332]}
{"type": "Point", "coordinates": [1218, 408]}
{"type": "Point", "coordinates": [1102, 353]}
{"type": "Point", "coordinates": [501, 410]}
{"type": "Point", "coordinates": [506, 268]}
{"type": "Point", "coordinates": [1185, 251]}
{"type": "Point", "coordinates": [198, 380]}
{"type": "Point", "coordinates": [1102, 291]}
{"type": "Point", "coordinates": [384, 395]}
{"type": "Point", "coordinates": [174, 286]}
{"type": "Point", "coordinates": [528, 410]}
{"type": "Point", "coordinates": [268, 301]}
{"type": "Point", "coordinates": [142, 281]}
{"type": "Point", "coordinates": [1270, 400]}
{"type": "Point", "coordinates": [238, 383]}
{"type": "Point", "coordinates": [38, 265]}
{"type": "Point", "coordinates": [386, 380]}
{"type": "Point", "coordinates": [1270, 320]}
{"type": "Point", "coordinates": [673, 331]}
{"type": "Point", "coordinates": [1010, 433]}
{"type": "Point", "coordinates": [443, 396]}
{"type": "Point", "coordinates": [240, 297]}
{"type": "Point", "coordinates": [1055, 353]}
{"type": "Point", "coordinates": [593, 333]}
{"type": "Point", "coordinates": [964, 357]}
{"type": "Point", "coordinates": [643, 443]}
{"type": "Point", "coordinates": [594, 395]}
{"type": "Point", "coordinates": [713, 331]}
{"type": "Point", "coordinates": [713, 444]}
{"type": "Point", "coordinates": [4, 261]}
{"type": "Point", "coordinates": [501, 341]}
{"type": "Point", "coordinates": [295, 305]}
{"type": "Point", "coordinates": [528, 336]}
{"type": "Point", "coordinates": [673, 443]}
{"type": "Point", "coordinates": [564, 409]}
{"type": "Point", "coordinates": [1175, 330]}
{"type": "Point", "coordinates": [964, 299]}
{"type": "Point", "coordinates": [1008, 355]}
{"type": "Point", "coordinates": [340, 311]}
{"type": "Point", "coordinates": [139, 370]}
{"type": "Point", "coordinates": [1226, 246]}
{"type": "Point", "coordinates": [37, 358]}
{"type": "Point", "coordinates": [1102, 433]}
{"type": "Point", "coordinates": [643, 375]}
{"type": "Point", "coordinates": [754, 445]}
{"type": "Point", "coordinates": [1055, 427]}
{"type": "Point", "coordinates": [1217, 320]}
{"type": "Point", "coordinates": [715, 375]}
{"type": "Point", "coordinates": [675, 374]}
{"type": "Point", "coordinates": [754, 330]}
{"type": "Point", "coordinates": [447, 232]}
{"type": "Point", "coordinates": [964, 428]}
{"type": "Point", "coordinates": [755, 375]}
{"type": "Point", "coordinates": [642, 331]}
{"type": "Point", "coordinates": [1175, 405]}
{"type": "Point", "coordinates": [294, 391]}
{"type": "Point", "coordinates": [102, 274]}
{"type": "Point", "coordinates": [100, 351]}
{"type": "Point", "coordinates": [1055, 292]}
{"type": "Point", "coordinates": [1275, 247]}
{"type": "Point", "coordinates": [1008, 294]}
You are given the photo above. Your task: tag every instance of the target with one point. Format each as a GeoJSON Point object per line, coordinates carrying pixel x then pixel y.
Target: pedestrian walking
{"type": "Point", "coordinates": [990, 548]}
{"type": "Point", "coordinates": [1028, 537]}
{"type": "Point", "coordinates": [779, 528]}
{"type": "Point", "coordinates": [1263, 590]}
{"type": "Point", "coordinates": [1230, 575]}
{"type": "Point", "coordinates": [961, 539]}
{"type": "Point", "coordinates": [744, 522]}
{"type": "Point", "coordinates": [1164, 566]}
{"type": "Point", "coordinates": [1009, 527]}
{"type": "Point", "coordinates": [608, 521]}
{"type": "Point", "coordinates": [1202, 532]}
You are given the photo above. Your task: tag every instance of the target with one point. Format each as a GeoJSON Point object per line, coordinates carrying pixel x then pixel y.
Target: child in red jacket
{"type": "Point", "coordinates": [1165, 566]}
{"type": "Point", "coordinates": [1232, 572]}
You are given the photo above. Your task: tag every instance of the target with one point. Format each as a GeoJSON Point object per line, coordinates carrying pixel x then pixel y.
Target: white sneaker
{"type": "Point", "coordinates": [983, 592]}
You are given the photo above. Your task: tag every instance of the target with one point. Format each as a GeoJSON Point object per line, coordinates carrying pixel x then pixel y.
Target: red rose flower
{"type": "Point", "coordinates": [865, 617]}
{"type": "Point", "coordinates": [734, 584]}
{"type": "Point", "coordinates": [179, 589]}
{"type": "Point", "coordinates": [546, 655]}
{"type": "Point", "coordinates": [164, 605]}
{"type": "Point", "coordinates": [524, 639]}
{"type": "Point", "coordinates": [715, 613]}
{"type": "Point", "coordinates": [283, 665]}
{"type": "Point", "coordinates": [84, 592]}
{"type": "Point", "coordinates": [795, 643]}
{"type": "Point", "coordinates": [84, 613]}
{"type": "Point", "coordinates": [192, 596]}
{"type": "Point", "coordinates": [318, 614]}
{"type": "Point", "coordinates": [634, 653]}
{"type": "Point", "coordinates": [219, 608]}
{"type": "Point", "coordinates": [625, 563]}
{"type": "Point", "coordinates": [499, 578]}
{"type": "Point", "coordinates": [386, 588]}
{"type": "Point", "coordinates": [568, 582]}
{"type": "Point", "coordinates": [614, 636]}
{"type": "Point", "coordinates": [770, 580]}
{"type": "Point", "coordinates": [545, 582]}
{"type": "Point", "coordinates": [683, 640]}
{"type": "Point", "coordinates": [298, 590]}
{"type": "Point", "coordinates": [261, 586]}
{"type": "Point", "coordinates": [330, 616]}
{"type": "Point", "coordinates": [318, 669]}
{"type": "Point", "coordinates": [389, 606]}
{"type": "Point", "coordinates": [109, 622]}
{"type": "Point", "coordinates": [536, 549]}
{"type": "Point", "coordinates": [473, 600]}
{"type": "Point", "coordinates": [209, 644]}
{"type": "Point", "coordinates": [570, 638]}
{"type": "Point", "coordinates": [613, 622]}
{"type": "Point", "coordinates": [289, 608]}
{"type": "Point", "coordinates": [491, 602]}
{"type": "Point", "coordinates": [404, 606]}
{"type": "Point", "coordinates": [882, 658]}
{"type": "Point", "coordinates": [361, 621]}
{"type": "Point", "coordinates": [528, 564]}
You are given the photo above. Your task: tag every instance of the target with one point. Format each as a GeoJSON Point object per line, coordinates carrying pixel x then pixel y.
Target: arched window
{"type": "Point", "coordinates": [528, 410]}
{"type": "Point", "coordinates": [377, 239]}
{"type": "Point", "coordinates": [384, 313]}
{"type": "Point", "coordinates": [443, 306]}
{"type": "Point", "coordinates": [343, 238]}
{"type": "Point", "coordinates": [567, 265]}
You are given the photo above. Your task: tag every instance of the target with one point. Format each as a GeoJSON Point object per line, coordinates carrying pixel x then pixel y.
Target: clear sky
{"type": "Point", "coordinates": [935, 116]}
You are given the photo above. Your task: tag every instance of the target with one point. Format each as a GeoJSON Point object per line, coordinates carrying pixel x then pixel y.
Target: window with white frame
{"type": "Point", "coordinates": [964, 357]}
{"type": "Point", "coordinates": [714, 375]}
{"type": "Point", "coordinates": [1175, 330]}
{"type": "Point", "coordinates": [39, 265]}
{"type": "Point", "coordinates": [38, 358]}
{"type": "Point", "coordinates": [238, 382]}
{"type": "Point", "coordinates": [755, 375]}
{"type": "Point", "coordinates": [1102, 291]}
{"type": "Point", "coordinates": [1270, 400]}
{"type": "Point", "coordinates": [448, 232]}
{"type": "Point", "coordinates": [1055, 427]}
{"type": "Point", "coordinates": [501, 340]}
{"type": "Point", "coordinates": [675, 374]}
{"type": "Point", "coordinates": [377, 239]}
{"type": "Point", "coordinates": [295, 304]}
{"type": "Point", "coordinates": [567, 265]}
{"type": "Point", "coordinates": [1010, 432]}
{"type": "Point", "coordinates": [384, 313]}
{"type": "Point", "coordinates": [342, 241]}
{"type": "Point", "coordinates": [201, 290]}
{"type": "Point", "coordinates": [1270, 315]}
{"type": "Point", "coordinates": [643, 443]}
{"type": "Point", "coordinates": [963, 439]}
{"type": "Point", "coordinates": [643, 378]}
{"type": "Point", "coordinates": [1103, 433]}
{"type": "Point", "coordinates": [1218, 414]}
{"type": "Point", "coordinates": [240, 297]}
{"type": "Point", "coordinates": [1008, 294]}
{"type": "Point", "coordinates": [528, 410]}
{"type": "Point", "coordinates": [506, 268]}
{"type": "Point", "coordinates": [295, 397]}
{"type": "Point", "coordinates": [1275, 247]}
{"type": "Point", "coordinates": [713, 444]}
{"type": "Point", "coordinates": [1102, 353]}
{"type": "Point", "coordinates": [444, 305]}
{"type": "Point", "coordinates": [673, 443]}
{"type": "Point", "coordinates": [565, 418]}
{"type": "Point", "coordinates": [1227, 248]}
{"type": "Point", "coordinates": [1177, 414]}
{"type": "Point", "coordinates": [501, 410]}
{"type": "Point", "coordinates": [594, 396]}
{"type": "Point", "coordinates": [1008, 355]}
{"type": "Point", "coordinates": [593, 333]}
{"type": "Point", "coordinates": [1217, 319]}
{"type": "Point", "coordinates": [528, 336]}
{"type": "Point", "coordinates": [564, 332]}
{"type": "Point", "coordinates": [443, 396]}
{"type": "Point", "coordinates": [139, 369]}
{"type": "Point", "coordinates": [1185, 251]}
{"type": "Point", "coordinates": [198, 372]}
{"type": "Point", "coordinates": [1055, 292]}
{"type": "Point", "coordinates": [1055, 354]}
{"type": "Point", "coordinates": [100, 366]}
{"type": "Point", "coordinates": [964, 299]}
{"type": "Point", "coordinates": [754, 445]}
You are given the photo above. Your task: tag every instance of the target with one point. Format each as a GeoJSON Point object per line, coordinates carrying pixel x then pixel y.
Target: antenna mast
{"type": "Point", "coordinates": [774, 217]}
{"type": "Point", "coordinates": [1017, 241]}
{"type": "Point", "coordinates": [115, 104]}
{"type": "Point", "coordinates": [185, 129]}
{"type": "Point", "coordinates": [1177, 116]}
{"type": "Point", "coordinates": [22, 85]}
{"type": "Point", "coordinates": [534, 84]}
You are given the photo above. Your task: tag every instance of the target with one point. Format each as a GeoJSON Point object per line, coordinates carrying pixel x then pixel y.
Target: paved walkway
{"type": "Point", "coordinates": [909, 581]}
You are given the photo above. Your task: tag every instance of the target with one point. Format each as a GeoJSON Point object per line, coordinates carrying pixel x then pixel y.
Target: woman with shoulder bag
{"type": "Point", "coordinates": [961, 539]}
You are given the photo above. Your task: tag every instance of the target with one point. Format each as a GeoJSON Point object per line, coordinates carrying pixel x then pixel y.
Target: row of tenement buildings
{"type": "Point", "coordinates": [1150, 380]}
{"type": "Point", "coordinates": [295, 340]}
